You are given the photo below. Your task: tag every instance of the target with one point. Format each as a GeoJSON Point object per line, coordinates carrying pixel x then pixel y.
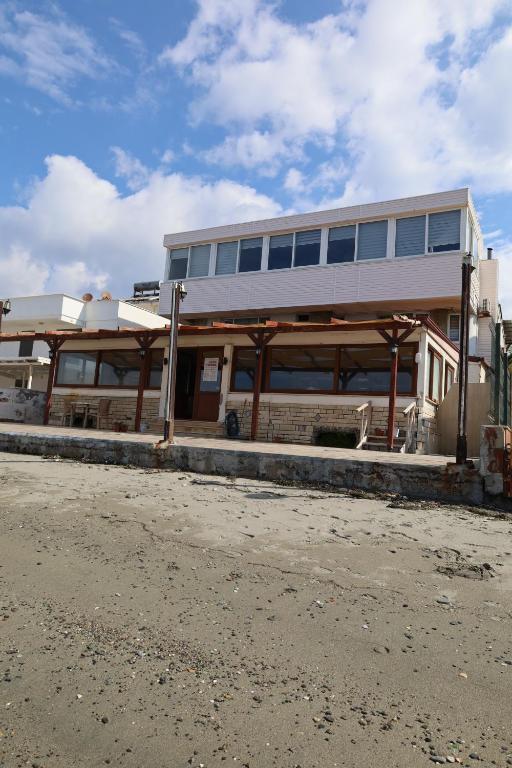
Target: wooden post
{"type": "Point", "coordinates": [260, 346]}
{"type": "Point", "coordinates": [261, 340]}
{"type": "Point", "coordinates": [393, 347]}
{"type": "Point", "coordinates": [144, 343]}
{"type": "Point", "coordinates": [54, 345]}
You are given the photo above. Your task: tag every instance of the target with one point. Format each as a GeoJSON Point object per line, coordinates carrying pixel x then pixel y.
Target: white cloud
{"type": "Point", "coordinates": [130, 168]}
{"type": "Point", "coordinates": [49, 54]}
{"type": "Point", "coordinates": [419, 107]}
{"type": "Point", "coordinates": [294, 181]}
{"type": "Point", "coordinates": [77, 233]}
{"type": "Point", "coordinates": [20, 274]}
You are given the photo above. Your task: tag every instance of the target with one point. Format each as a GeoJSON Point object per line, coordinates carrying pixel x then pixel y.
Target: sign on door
{"type": "Point", "coordinates": [210, 368]}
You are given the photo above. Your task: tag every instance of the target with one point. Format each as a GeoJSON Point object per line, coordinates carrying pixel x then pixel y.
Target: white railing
{"type": "Point", "coordinates": [410, 428]}
{"type": "Point", "coordinates": [366, 416]}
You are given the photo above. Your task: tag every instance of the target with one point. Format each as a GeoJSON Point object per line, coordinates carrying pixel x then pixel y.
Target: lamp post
{"type": "Point", "coordinates": [178, 293]}
{"type": "Point", "coordinates": [462, 442]}
{"type": "Point", "coordinates": [5, 308]}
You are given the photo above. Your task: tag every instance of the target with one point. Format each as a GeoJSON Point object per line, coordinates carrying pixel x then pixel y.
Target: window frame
{"type": "Point", "coordinates": [98, 353]}
{"type": "Point", "coordinates": [294, 252]}
{"type": "Point", "coordinates": [425, 236]}
{"type": "Point", "coordinates": [461, 220]}
{"type": "Point", "coordinates": [433, 353]}
{"type": "Point", "coordinates": [179, 248]}
{"type": "Point", "coordinates": [267, 369]}
{"type": "Point", "coordinates": [450, 315]}
{"type": "Point", "coordinates": [234, 359]}
{"type": "Point", "coordinates": [413, 346]}
{"type": "Point", "coordinates": [448, 367]}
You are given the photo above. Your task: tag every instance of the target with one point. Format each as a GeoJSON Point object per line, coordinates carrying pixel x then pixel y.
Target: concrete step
{"type": "Point", "coordinates": [374, 446]}
{"type": "Point", "coordinates": [193, 427]}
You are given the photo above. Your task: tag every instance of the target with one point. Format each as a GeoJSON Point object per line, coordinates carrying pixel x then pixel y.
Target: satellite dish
{"type": "Point", "coordinates": [106, 296]}
{"type": "Point", "coordinates": [87, 297]}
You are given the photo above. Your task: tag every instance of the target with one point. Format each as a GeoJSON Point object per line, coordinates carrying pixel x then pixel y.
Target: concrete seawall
{"type": "Point", "coordinates": [442, 482]}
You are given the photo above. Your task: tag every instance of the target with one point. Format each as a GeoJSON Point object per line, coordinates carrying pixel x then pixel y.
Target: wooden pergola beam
{"type": "Point", "coordinates": [261, 341]}
{"type": "Point", "coordinates": [54, 345]}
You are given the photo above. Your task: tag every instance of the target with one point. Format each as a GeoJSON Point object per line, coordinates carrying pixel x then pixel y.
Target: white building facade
{"type": "Point", "coordinates": [400, 257]}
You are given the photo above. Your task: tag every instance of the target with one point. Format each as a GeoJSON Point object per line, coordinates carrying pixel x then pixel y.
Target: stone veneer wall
{"type": "Point", "coordinates": [121, 415]}
{"type": "Point", "coordinates": [296, 423]}
{"type": "Point", "coordinates": [428, 437]}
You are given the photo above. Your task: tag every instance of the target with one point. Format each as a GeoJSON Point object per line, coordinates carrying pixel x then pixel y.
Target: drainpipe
{"type": "Point", "coordinates": [497, 372]}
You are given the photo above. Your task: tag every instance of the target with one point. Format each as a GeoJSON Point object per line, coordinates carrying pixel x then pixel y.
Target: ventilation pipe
{"type": "Point", "coordinates": [489, 253]}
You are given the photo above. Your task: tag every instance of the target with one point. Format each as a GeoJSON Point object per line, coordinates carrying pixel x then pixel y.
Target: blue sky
{"type": "Point", "coordinates": [120, 121]}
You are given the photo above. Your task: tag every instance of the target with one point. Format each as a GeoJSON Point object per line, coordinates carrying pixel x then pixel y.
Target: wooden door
{"type": "Point", "coordinates": [208, 379]}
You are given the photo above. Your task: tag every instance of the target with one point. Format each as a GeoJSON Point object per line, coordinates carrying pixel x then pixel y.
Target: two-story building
{"type": "Point", "coordinates": [361, 263]}
{"type": "Point", "coordinates": [336, 326]}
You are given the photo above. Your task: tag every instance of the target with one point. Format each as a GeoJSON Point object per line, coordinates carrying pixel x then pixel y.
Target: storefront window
{"type": "Point", "coordinates": [301, 369]}
{"type": "Point", "coordinates": [119, 368]}
{"type": "Point", "coordinates": [76, 369]}
{"type": "Point", "coordinates": [155, 368]}
{"type": "Point", "coordinates": [368, 369]}
{"type": "Point", "coordinates": [244, 370]}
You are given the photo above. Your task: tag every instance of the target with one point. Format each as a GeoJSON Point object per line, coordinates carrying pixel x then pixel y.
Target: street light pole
{"type": "Point", "coordinates": [178, 292]}
{"type": "Point", "coordinates": [5, 308]}
{"type": "Point", "coordinates": [462, 442]}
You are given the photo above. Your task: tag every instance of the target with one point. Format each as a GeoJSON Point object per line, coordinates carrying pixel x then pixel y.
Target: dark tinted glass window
{"type": "Point", "coordinates": [179, 263]}
{"type": "Point", "coordinates": [244, 370]}
{"type": "Point", "coordinates": [26, 347]}
{"type": "Point", "coordinates": [342, 244]}
{"type": "Point", "coordinates": [281, 252]}
{"type": "Point", "coordinates": [119, 368]}
{"type": "Point", "coordinates": [309, 368]}
{"type": "Point", "coordinates": [156, 367]}
{"type": "Point", "coordinates": [76, 368]}
{"type": "Point", "coordinates": [307, 248]}
{"type": "Point", "coordinates": [368, 369]}
{"type": "Point", "coordinates": [250, 255]}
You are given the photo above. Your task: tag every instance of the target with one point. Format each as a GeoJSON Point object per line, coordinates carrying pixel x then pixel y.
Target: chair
{"type": "Point", "coordinates": [102, 413]}
{"type": "Point", "coordinates": [68, 410]}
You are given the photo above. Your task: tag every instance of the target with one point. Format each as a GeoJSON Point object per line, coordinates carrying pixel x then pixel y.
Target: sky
{"type": "Point", "coordinates": [123, 120]}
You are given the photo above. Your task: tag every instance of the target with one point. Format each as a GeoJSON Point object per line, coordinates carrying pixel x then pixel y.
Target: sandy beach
{"type": "Point", "coordinates": [153, 619]}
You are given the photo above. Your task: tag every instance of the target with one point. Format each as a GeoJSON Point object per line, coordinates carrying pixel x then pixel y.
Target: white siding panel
{"type": "Point", "coordinates": [417, 278]}
{"type": "Point", "coordinates": [409, 205]}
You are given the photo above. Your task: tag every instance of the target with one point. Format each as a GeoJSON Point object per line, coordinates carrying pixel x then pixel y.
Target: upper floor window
{"type": "Point", "coordinates": [26, 347]}
{"type": "Point", "coordinates": [280, 254]}
{"type": "Point", "coordinates": [307, 248]}
{"type": "Point", "coordinates": [342, 244]}
{"type": "Point", "coordinates": [444, 231]}
{"type": "Point", "coordinates": [250, 255]}
{"type": "Point", "coordinates": [199, 262]}
{"type": "Point", "coordinates": [454, 328]}
{"type": "Point", "coordinates": [226, 258]}
{"type": "Point", "coordinates": [410, 236]}
{"type": "Point", "coordinates": [178, 264]}
{"type": "Point", "coordinates": [372, 240]}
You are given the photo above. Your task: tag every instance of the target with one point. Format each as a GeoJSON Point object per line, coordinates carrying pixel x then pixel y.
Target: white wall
{"type": "Point", "coordinates": [405, 279]}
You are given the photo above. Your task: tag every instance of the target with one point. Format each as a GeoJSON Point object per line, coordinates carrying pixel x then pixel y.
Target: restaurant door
{"type": "Point", "coordinates": [198, 380]}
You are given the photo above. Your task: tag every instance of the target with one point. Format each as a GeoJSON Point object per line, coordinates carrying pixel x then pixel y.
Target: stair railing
{"type": "Point", "coordinates": [410, 428]}
{"type": "Point", "coordinates": [365, 411]}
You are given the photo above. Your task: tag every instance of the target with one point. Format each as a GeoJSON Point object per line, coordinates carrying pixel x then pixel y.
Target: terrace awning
{"type": "Point", "coordinates": [394, 330]}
